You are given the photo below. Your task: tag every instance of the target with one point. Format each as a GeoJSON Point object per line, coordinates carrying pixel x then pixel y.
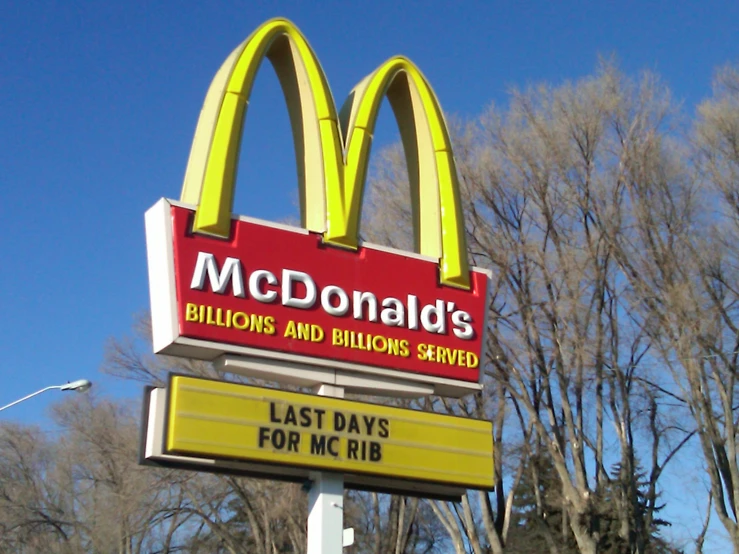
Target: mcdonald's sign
{"type": "Point", "coordinates": [315, 299]}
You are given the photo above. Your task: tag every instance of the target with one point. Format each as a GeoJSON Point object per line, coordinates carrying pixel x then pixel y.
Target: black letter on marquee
{"type": "Point", "coordinates": [351, 449]}
{"type": "Point", "coordinates": [354, 424]}
{"type": "Point", "coordinates": [384, 431]}
{"type": "Point", "coordinates": [317, 444]}
{"type": "Point", "coordinates": [290, 415]}
{"type": "Point", "coordinates": [375, 453]}
{"type": "Point", "coordinates": [333, 446]}
{"type": "Point", "coordinates": [339, 421]}
{"type": "Point", "coordinates": [263, 436]}
{"type": "Point", "coordinates": [319, 418]}
{"type": "Point", "coordinates": [278, 439]}
{"type": "Point", "coordinates": [272, 413]}
{"type": "Point", "coordinates": [369, 422]}
{"type": "Point", "coordinates": [305, 419]}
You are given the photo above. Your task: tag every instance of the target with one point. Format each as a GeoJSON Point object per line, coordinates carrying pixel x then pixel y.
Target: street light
{"type": "Point", "coordinates": [80, 385]}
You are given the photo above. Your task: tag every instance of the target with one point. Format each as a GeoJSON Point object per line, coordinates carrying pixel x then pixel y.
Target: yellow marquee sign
{"type": "Point", "coordinates": [220, 420]}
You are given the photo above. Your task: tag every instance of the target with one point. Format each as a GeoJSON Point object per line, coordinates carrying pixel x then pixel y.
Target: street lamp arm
{"type": "Point", "coordinates": [81, 385]}
{"type": "Point", "coordinates": [30, 396]}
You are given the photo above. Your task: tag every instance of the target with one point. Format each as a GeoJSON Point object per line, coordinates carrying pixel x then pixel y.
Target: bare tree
{"type": "Point", "coordinates": [568, 372]}
{"type": "Point", "coordinates": [681, 258]}
{"type": "Point", "coordinates": [613, 253]}
{"type": "Point", "coordinates": [392, 524]}
{"type": "Point", "coordinates": [83, 491]}
{"type": "Point", "coordinates": [713, 393]}
{"type": "Point", "coordinates": [32, 516]}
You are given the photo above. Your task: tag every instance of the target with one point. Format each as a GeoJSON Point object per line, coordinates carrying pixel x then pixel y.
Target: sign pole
{"type": "Point", "coordinates": [326, 502]}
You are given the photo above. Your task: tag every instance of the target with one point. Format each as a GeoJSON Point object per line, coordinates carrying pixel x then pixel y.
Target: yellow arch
{"type": "Point", "coordinates": [332, 166]}
{"type": "Point", "coordinates": [438, 219]}
{"type": "Point", "coordinates": [211, 173]}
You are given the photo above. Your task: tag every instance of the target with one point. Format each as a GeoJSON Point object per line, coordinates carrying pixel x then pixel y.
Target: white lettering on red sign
{"type": "Point", "coordinates": [334, 300]}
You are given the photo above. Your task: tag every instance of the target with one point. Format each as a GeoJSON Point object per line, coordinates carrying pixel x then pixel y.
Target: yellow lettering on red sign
{"type": "Point", "coordinates": [446, 355]}
{"type": "Point", "coordinates": [341, 338]}
{"type": "Point", "coordinates": [208, 315]}
{"type": "Point", "coordinates": [369, 342]}
{"type": "Point", "coordinates": [304, 331]}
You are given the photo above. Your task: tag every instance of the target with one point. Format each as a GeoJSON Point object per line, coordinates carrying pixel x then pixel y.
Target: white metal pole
{"type": "Point", "coordinates": [326, 502]}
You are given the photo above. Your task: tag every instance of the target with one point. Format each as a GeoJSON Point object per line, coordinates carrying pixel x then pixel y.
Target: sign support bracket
{"type": "Point", "coordinates": [326, 501]}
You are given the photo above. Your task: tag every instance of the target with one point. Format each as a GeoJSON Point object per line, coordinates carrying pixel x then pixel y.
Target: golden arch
{"type": "Point", "coordinates": [332, 152]}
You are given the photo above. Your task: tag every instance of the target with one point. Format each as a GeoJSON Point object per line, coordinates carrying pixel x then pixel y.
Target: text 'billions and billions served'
{"type": "Point", "coordinates": [267, 325]}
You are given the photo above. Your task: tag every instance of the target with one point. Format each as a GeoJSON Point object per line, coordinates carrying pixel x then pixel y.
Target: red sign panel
{"type": "Point", "coordinates": [284, 290]}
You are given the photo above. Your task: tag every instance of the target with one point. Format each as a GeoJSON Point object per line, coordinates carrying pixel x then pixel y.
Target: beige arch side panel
{"type": "Point", "coordinates": [193, 184]}
{"type": "Point", "coordinates": [211, 173]}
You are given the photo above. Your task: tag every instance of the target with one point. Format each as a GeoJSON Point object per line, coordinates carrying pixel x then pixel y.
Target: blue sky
{"type": "Point", "coordinates": [99, 100]}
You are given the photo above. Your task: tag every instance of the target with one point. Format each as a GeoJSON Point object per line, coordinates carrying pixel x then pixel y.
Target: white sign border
{"type": "Point", "coordinates": [257, 362]}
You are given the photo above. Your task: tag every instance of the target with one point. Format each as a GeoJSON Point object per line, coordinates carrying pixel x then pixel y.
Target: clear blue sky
{"type": "Point", "coordinates": [99, 100]}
